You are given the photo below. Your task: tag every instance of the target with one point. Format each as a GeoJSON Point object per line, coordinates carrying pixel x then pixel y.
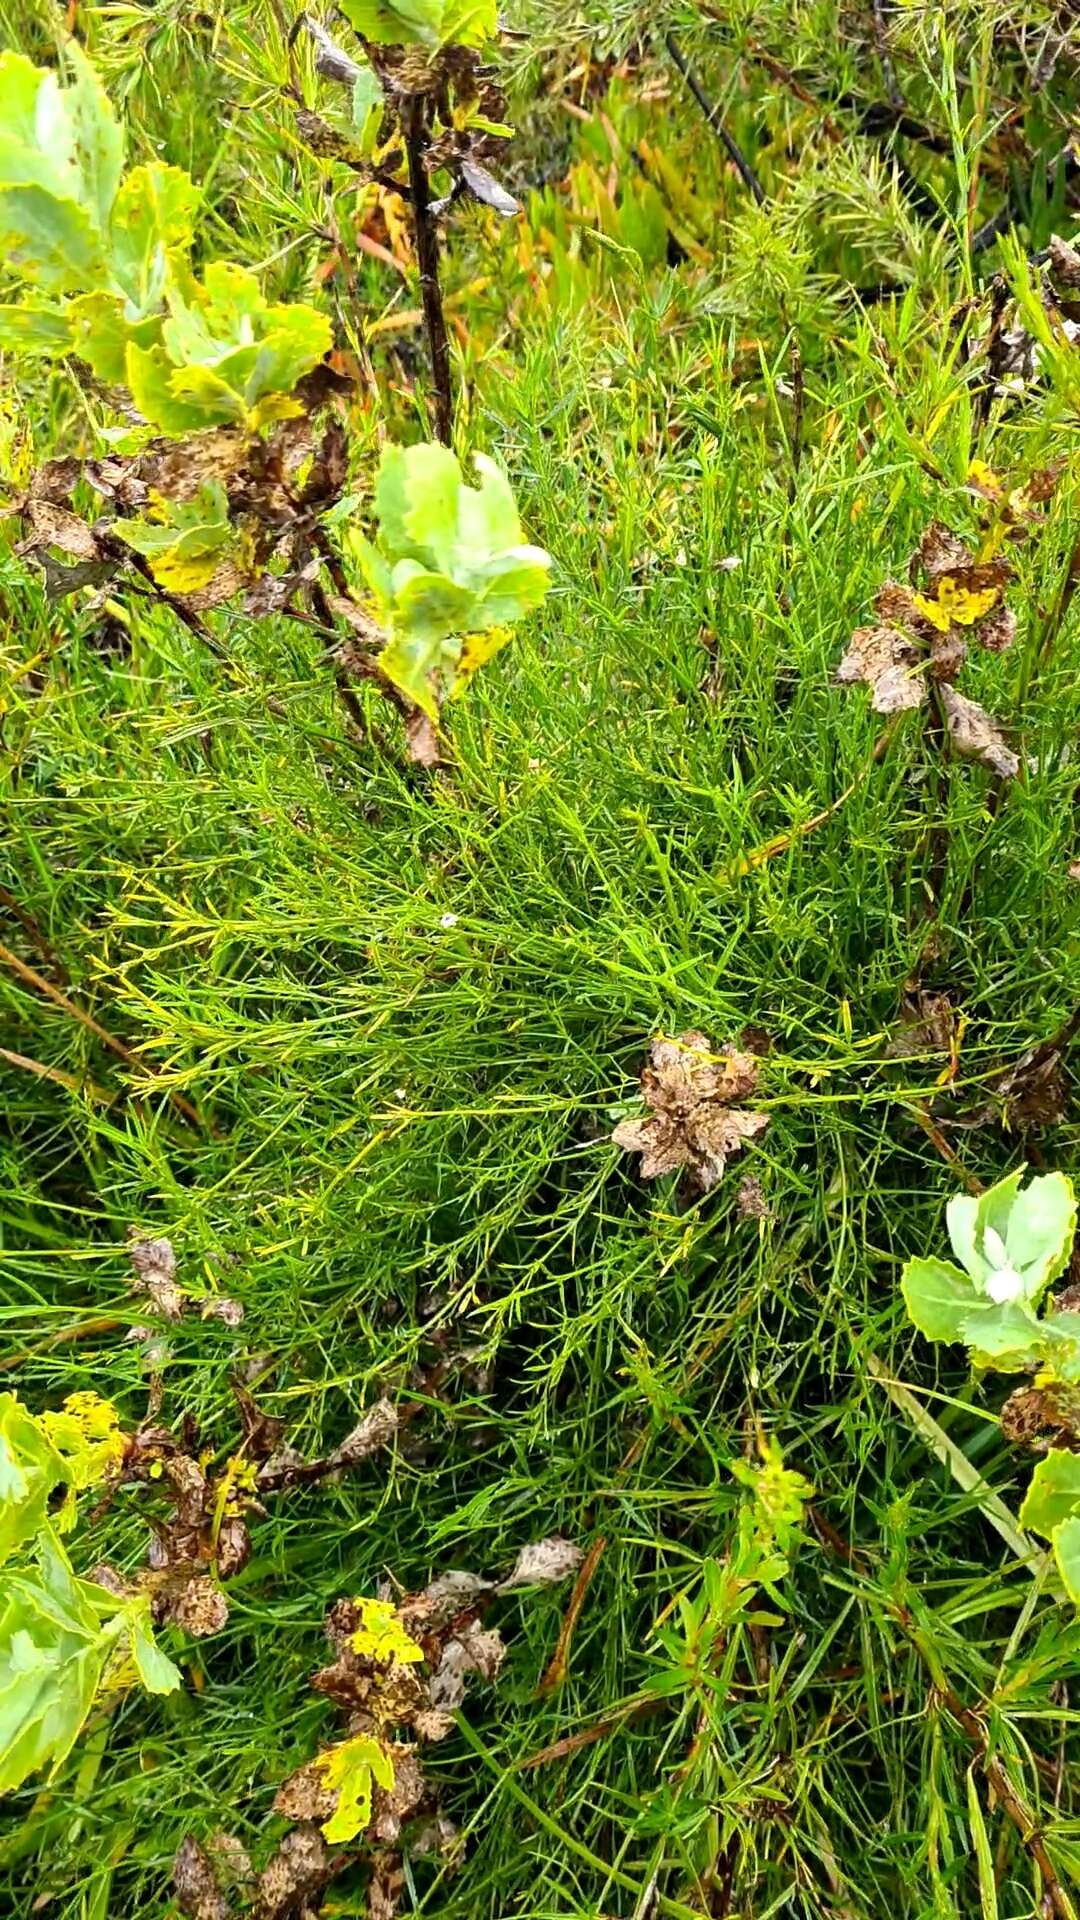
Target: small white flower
{"type": "Point", "coordinates": [448, 920]}
{"type": "Point", "coordinates": [1004, 1283]}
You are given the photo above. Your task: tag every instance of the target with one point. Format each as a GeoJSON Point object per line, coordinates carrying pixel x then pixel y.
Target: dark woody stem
{"type": "Point", "coordinates": [414, 133]}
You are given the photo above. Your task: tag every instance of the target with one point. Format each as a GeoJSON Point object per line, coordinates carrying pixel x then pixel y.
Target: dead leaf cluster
{"type": "Point", "coordinates": [154, 1263]}
{"type": "Point", "coordinates": [920, 640]}
{"type": "Point", "coordinates": [382, 1697]}
{"type": "Point", "coordinates": [693, 1125]}
{"type": "Point", "coordinates": [203, 1538]}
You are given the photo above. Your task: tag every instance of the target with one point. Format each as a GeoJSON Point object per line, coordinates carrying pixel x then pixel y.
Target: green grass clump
{"type": "Point", "coordinates": [409, 1010]}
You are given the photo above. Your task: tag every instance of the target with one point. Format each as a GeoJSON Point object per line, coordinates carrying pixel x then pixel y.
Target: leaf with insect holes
{"type": "Point", "coordinates": [62, 1640]}
{"type": "Point", "coordinates": [450, 562]}
{"type": "Point", "coordinates": [353, 1769]}
{"type": "Point", "coordinates": [183, 546]}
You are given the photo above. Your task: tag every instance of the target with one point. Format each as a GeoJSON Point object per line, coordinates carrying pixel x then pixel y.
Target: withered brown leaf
{"type": "Point", "coordinates": [976, 735]}
{"type": "Point", "coordinates": [887, 660]}
{"type": "Point", "coordinates": [543, 1563]}
{"type": "Point", "coordinates": [750, 1201]}
{"type": "Point", "coordinates": [197, 1892]}
{"type": "Point", "coordinates": [294, 1876]}
{"type": "Point", "coordinates": [200, 1608]}
{"type": "Point", "coordinates": [154, 1262]}
{"type": "Point", "coordinates": [689, 1085]}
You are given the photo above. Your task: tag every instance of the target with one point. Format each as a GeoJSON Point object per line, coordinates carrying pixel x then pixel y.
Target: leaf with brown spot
{"type": "Point", "coordinates": [887, 661]}
{"type": "Point", "coordinates": [975, 735]}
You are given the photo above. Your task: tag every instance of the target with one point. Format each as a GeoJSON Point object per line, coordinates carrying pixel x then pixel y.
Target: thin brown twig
{"type": "Point", "coordinates": [712, 119]}
{"type": "Point", "coordinates": [30, 977]}
{"type": "Point", "coordinates": [33, 932]}
{"type": "Point", "coordinates": [72, 1081]}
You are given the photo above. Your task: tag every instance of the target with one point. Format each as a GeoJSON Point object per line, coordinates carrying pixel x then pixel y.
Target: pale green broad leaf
{"type": "Point", "coordinates": [1008, 1339]}
{"type": "Point", "coordinates": [30, 1468]}
{"type": "Point", "coordinates": [156, 1671]}
{"type": "Point", "coordinates": [29, 329]}
{"type": "Point", "coordinates": [149, 375]}
{"type": "Point", "coordinates": [409, 663]}
{"type": "Point", "coordinates": [517, 582]}
{"type": "Point", "coordinates": [1066, 1542]}
{"type": "Point", "coordinates": [101, 335]}
{"type": "Point", "coordinates": [184, 545]}
{"type": "Point", "coordinates": [59, 1638]}
{"type": "Point", "coordinates": [428, 606]}
{"type": "Point", "coordinates": [368, 107]}
{"type": "Point", "coordinates": [396, 22]}
{"type": "Point", "coordinates": [61, 156]}
{"type": "Point", "coordinates": [416, 501]}
{"type": "Point", "coordinates": [938, 1296]}
{"type": "Point", "coordinates": [1054, 1493]}
{"type": "Point", "coordinates": [98, 137]}
{"type": "Point", "coordinates": [151, 232]}
{"type": "Point", "coordinates": [1035, 1224]}
{"type": "Point", "coordinates": [49, 241]}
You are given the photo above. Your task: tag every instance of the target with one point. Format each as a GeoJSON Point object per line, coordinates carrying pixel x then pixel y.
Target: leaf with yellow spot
{"type": "Point", "coordinates": [476, 650]}
{"type": "Point", "coordinates": [955, 603]}
{"type": "Point", "coordinates": [353, 1770]}
{"type": "Point", "coordinates": [381, 1635]}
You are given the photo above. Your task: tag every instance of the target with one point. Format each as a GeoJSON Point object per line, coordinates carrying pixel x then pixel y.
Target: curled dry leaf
{"type": "Point", "coordinates": [200, 1608]}
{"type": "Point", "coordinates": [384, 1889]}
{"type": "Point", "coordinates": [221, 1307]}
{"type": "Point", "coordinates": [155, 1275]}
{"type": "Point", "coordinates": [750, 1201]}
{"type": "Point", "coordinates": [294, 1876]}
{"type": "Point", "coordinates": [198, 1894]}
{"type": "Point", "coordinates": [975, 735]}
{"type": "Point", "coordinates": [55, 526]}
{"type": "Point", "coordinates": [887, 660]}
{"type": "Point", "coordinates": [689, 1086]}
{"type": "Point", "coordinates": [1064, 262]}
{"type": "Point", "coordinates": [286, 1468]}
{"type": "Point", "coordinates": [543, 1563]}
{"type": "Point", "coordinates": [472, 1650]}
{"type": "Point", "coordinates": [483, 186]}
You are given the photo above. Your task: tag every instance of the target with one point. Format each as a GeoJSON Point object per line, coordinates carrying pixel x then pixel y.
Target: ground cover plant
{"type": "Point", "coordinates": [539, 961]}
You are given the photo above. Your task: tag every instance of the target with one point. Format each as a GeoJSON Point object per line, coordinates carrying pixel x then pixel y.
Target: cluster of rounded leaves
{"type": "Point", "coordinates": [1011, 1243]}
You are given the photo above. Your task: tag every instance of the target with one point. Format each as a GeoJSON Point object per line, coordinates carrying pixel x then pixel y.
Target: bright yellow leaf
{"type": "Point", "coordinates": [381, 1635]}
